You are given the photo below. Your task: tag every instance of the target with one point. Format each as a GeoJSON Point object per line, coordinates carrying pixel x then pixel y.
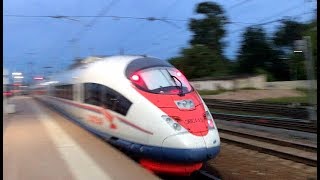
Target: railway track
{"type": "Point", "coordinates": [282, 110]}
{"type": "Point", "coordinates": [284, 123]}
{"type": "Point", "coordinates": [294, 151]}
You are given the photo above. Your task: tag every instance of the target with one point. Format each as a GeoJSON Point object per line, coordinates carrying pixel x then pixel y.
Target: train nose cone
{"type": "Point", "coordinates": [212, 141]}
{"type": "Point", "coordinates": [184, 148]}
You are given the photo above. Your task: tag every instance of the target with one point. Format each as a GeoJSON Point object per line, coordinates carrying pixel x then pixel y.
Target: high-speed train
{"type": "Point", "coordinates": [141, 104]}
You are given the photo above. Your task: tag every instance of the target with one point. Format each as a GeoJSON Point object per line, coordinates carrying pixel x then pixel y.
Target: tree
{"type": "Point", "coordinates": [197, 62]}
{"type": "Point", "coordinates": [311, 30]}
{"type": "Point", "coordinates": [288, 32]}
{"type": "Point", "coordinates": [257, 55]}
{"type": "Point", "coordinates": [204, 58]}
{"type": "Point", "coordinates": [210, 30]}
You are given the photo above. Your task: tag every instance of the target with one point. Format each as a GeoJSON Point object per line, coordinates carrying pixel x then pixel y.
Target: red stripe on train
{"type": "Point", "coordinates": [105, 113]}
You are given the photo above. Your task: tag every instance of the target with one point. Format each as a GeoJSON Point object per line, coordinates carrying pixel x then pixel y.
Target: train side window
{"type": "Point", "coordinates": [109, 98]}
{"type": "Point", "coordinates": [69, 91]}
{"type": "Point", "coordinates": [92, 94]}
{"type": "Point", "coordinates": [123, 105]}
{"type": "Point", "coordinates": [100, 95]}
{"type": "Point", "coordinates": [63, 91]}
{"type": "Point", "coordinates": [115, 101]}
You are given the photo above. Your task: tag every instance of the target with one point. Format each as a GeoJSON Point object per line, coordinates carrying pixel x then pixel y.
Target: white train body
{"type": "Point", "coordinates": [167, 128]}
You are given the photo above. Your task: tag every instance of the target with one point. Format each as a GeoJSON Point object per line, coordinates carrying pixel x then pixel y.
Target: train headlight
{"type": "Point", "coordinates": [185, 104]}
{"type": "Point", "coordinates": [210, 120]}
{"type": "Point", "coordinates": [171, 123]}
{"type": "Point", "coordinates": [176, 126]}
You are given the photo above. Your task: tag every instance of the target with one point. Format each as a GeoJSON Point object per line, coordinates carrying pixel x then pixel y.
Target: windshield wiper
{"type": "Point", "coordinates": [180, 89]}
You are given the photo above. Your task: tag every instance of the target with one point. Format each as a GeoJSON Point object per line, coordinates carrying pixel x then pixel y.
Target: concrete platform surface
{"type": "Point", "coordinates": [41, 144]}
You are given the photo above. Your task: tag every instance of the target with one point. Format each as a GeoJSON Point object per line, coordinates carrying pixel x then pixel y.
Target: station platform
{"type": "Point", "coordinates": [39, 143]}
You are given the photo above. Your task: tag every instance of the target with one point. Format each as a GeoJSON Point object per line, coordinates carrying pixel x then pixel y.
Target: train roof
{"type": "Point", "coordinates": [129, 63]}
{"type": "Point", "coordinates": [92, 59]}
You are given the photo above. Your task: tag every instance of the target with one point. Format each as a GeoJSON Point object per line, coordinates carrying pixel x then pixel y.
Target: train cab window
{"type": "Point", "coordinates": [100, 95]}
{"type": "Point", "coordinates": [161, 80]}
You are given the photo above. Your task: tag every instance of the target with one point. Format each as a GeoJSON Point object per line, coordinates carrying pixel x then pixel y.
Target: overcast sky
{"type": "Point", "coordinates": [47, 41]}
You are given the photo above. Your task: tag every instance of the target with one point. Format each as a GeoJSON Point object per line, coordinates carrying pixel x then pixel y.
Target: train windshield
{"type": "Point", "coordinates": [162, 80]}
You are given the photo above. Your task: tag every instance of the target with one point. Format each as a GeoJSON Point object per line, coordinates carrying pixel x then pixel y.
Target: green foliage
{"type": "Point", "coordinates": [303, 99]}
{"type": "Point", "coordinates": [297, 67]}
{"type": "Point", "coordinates": [284, 39]}
{"type": "Point", "coordinates": [210, 30]}
{"type": "Point", "coordinates": [252, 54]}
{"type": "Point", "coordinates": [204, 58]}
{"type": "Point", "coordinates": [288, 32]}
{"type": "Point", "coordinates": [199, 61]}
{"type": "Point", "coordinates": [275, 58]}
{"type": "Point", "coordinates": [211, 92]}
{"type": "Point", "coordinates": [312, 32]}
{"type": "Point", "coordinates": [256, 55]}
{"type": "Point", "coordinates": [299, 99]}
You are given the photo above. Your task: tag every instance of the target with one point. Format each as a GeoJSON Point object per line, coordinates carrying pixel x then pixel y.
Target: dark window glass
{"type": "Point", "coordinates": [63, 91]}
{"type": "Point", "coordinates": [100, 95]}
{"type": "Point", "coordinates": [92, 94]}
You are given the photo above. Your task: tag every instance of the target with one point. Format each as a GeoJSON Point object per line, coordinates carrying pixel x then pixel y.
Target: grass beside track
{"type": "Point", "coordinates": [245, 113]}
{"type": "Point", "coordinates": [304, 99]}
{"type": "Point", "coordinates": [211, 92]}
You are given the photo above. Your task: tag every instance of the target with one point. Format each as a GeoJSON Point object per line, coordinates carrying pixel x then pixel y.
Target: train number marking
{"type": "Point", "coordinates": [194, 120]}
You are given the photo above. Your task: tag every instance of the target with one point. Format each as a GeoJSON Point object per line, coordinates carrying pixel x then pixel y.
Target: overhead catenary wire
{"type": "Point", "coordinates": [102, 12]}
{"type": "Point", "coordinates": [129, 37]}
{"type": "Point", "coordinates": [262, 23]}
{"type": "Point", "coordinates": [281, 12]}
{"type": "Point", "coordinates": [238, 4]}
{"type": "Point", "coordinates": [161, 36]}
{"type": "Point", "coordinates": [146, 19]}
{"type": "Point", "coordinates": [165, 16]}
{"type": "Point", "coordinates": [114, 17]}
{"type": "Point", "coordinates": [269, 22]}
{"type": "Point", "coordinates": [91, 23]}
{"type": "Point", "coordinates": [150, 18]}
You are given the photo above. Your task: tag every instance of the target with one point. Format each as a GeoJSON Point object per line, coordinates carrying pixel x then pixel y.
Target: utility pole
{"type": "Point", "coordinates": [310, 75]}
{"type": "Point", "coordinates": [305, 47]}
